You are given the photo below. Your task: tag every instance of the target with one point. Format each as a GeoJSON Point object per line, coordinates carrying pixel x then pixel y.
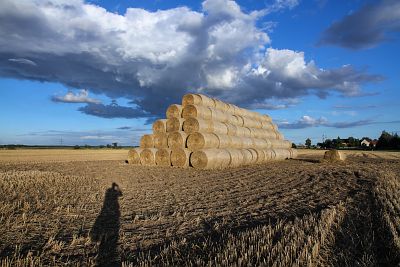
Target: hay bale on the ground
{"type": "Point", "coordinates": [174, 124]}
{"type": "Point", "coordinates": [134, 155]}
{"type": "Point", "coordinates": [334, 155]}
{"type": "Point", "coordinates": [202, 140]}
{"type": "Point", "coordinates": [163, 157]}
{"type": "Point", "coordinates": [180, 157]}
{"type": "Point", "coordinates": [174, 111]}
{"type": "Point", "coordinates": [191, 125]}
{"type": "Point", "coordinates": [148, 156]}
{"type": "Point", "coordinates": [196, 111]}
{"type": "Point", "coordinates": [210, 158]}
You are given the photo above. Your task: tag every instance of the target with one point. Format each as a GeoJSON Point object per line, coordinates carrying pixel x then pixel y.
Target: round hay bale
{"type": "Point", "coordinates": [232, 129]}
{"type": "Point", "coordinates": [147, 141]}
{"type": "Point", "coordinates": [219, 127]}
{"type": "Point", "coordinates": [210, 159]}
{"type": "Point", "coordinates": [177, 139]}
{"type": "Point", "coordinates": [163, 157]}
{"type": "Point", "coordinates": [247, 156]}
{"type": "Point", "coordinates": [239, 120]}
{"type": "Point", "coordinates": [219, 115]}
{"type": "Point", "coordinates": [236, 157]}
{"type": "Point", "coordinates": [334, 155]}
{"type": "Point", "coordinates": [180, 157]}
{"type": "Point", "coordinates": [225, 141]}
{"type": "Point", "coordinates": [260, 155]}
{"type": "Point", "coordinates": [134, 155]}
{"type": "Point", "coordinates": [280, 144]}
{"type": "Point", "coordinates": [260, 143]}
{"type": "Point", "coordinates": [247, 142]}
{"type": "Point", "coordinates": [267, 125]}
{"type": "Point", "coordinates": [148, 156]}
{"type": "Point", "coordinates": [174, 124]}
{"type": "Point", "coordinates": [266, 118]}
{"type": "Point", "coordinates": [281, 153]}
{"type": "Point", "coordinates": [220, 105]}
{"type": "Point", "coordinates": [160, 140]}
{"type": "Point", "coordinates": [191, 99]}
{"type": "Point", "coordinates": [200, 140]}
{"type": "Point", "coordinates": [206, 101]}
{"type": "Point", "coordinates": [251, 123]}
{"type": "Point", "coordinates": [236, 142]}
{"type": "Point", "coordinates": [254, 155]}
{"type": "Point", "coordinates": [174, 111]}
{"type": "Point", "coordinates": [191, 125]}
{"type": "Point", "coordinates": [159, 126]}
{"type": "Point", "coordinates": [243, 131]}
{"type": "Point", "coordinates": [293, 153]}
{"type": "Point", "coordinates": [232, 119]}
{"type": "Point", "coordinates": [269, 154]}
{"type": "Point", "coordinates": [279, 136]}
{"type": "Point", "coordinates": [196, 111]}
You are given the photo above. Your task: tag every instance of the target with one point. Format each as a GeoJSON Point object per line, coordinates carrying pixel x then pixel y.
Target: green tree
{"type": "Point", "coordinates": [308, 143]}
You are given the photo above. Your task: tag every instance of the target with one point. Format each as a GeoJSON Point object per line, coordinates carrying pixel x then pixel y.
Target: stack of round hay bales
{"type": "Point", "coordinates": [207, 133]}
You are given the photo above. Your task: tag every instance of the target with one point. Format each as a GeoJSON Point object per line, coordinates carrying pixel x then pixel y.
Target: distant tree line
{"type": "Point", "coordinates": [388, 141]}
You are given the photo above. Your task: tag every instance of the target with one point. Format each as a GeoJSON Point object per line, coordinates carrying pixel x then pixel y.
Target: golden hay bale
{"type": "Point", "coordinates": [225, 141]}
{"type": "Point", "coordinates": [174, 111]}
{"type": "Point", "coordinates": [260, 143]}
{"type": "Point", "coordinates": [191, 99]}
{"type": "Point", "coordinates": [280, 143]}
{"type": "Point", "coordinates": [281, 153]}
{"type": "Point", "coordinates": [160, 140]}
{"type": "Point", "coordinates": [191, 125]}
{"type": "Point", "coordinates": [147, 141]}
{"type": "Point", "coordinates": [134, 155]}
{"type": "Point", "coordinates": [232, 119]}
{"type": "Point", "coordinates": [236, 157]}
{"type": "Point", "coordinates": [159, 126]}
{"type": "Point", "coordinates": [334, 155]}
{"type": "Point", "coordinates": [206, 100]}
{"type": "Point", "coordinates": [219, 115]}
{"type": "Point", "coordinates": [269, 154]}
{"type": "Point", "coordinates": [251, 123]}
{"type": "Point", "coordinates": [247, 156]}
{"type": "Point", "coordinates": [196, 111]}
{"type": "Point", "coordinates": [174, 124]}
{"type": "Point", "coordinates": [279, 136]}
{"type": "Point", "coordinates": [267, 125]}
{"type": "Point", "coordinates": [266, 118]}
{"type": "Point", "coordinates": [163, 157]}
{"type": "Point", "coordinates": [200, 140]}
{"type": "Point", "coordinates": [243, 131]}
{"type": "Point", "coordinates": [260, 155]}
{"type": "Point", "coordinates": [293, 153]}
{"type": "Point", "coordinates": [210, 158]}
{"type": "Point", "coordinates": [239, 120]}
{"type": "Point", "coordinates": [247, 142]}
{"type": "Point", "coordinates": [177, 139]}
{"type": "Point", "coordinates": [236, 142]}
{"type": "Point", "coordinates": [254, 155]}
{"type": "Point", "coordinates": [148, 156]}
{"type": "Point", "coordinates": [219, 127]}
{"type": "Point", "coordinates": [218, 104]}
{"type": "Point", "coordinates": [232, 129]}
{"type": "Point", "coordinates": [180, 157]}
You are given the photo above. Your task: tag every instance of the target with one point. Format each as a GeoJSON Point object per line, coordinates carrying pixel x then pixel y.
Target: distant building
{"type": "Point", "coordinates": [365, 142]}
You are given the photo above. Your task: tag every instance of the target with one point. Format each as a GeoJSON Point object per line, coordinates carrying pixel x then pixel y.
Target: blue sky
{"type": "Point", "coordinates": [96, 72]}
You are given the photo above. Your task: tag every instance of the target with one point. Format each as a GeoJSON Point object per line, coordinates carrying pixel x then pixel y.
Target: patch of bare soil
{"type": "Point", "coordinates": [294, 212]}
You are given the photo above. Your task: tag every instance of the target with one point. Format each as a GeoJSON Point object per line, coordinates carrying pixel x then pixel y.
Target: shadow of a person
{"type": "Point", "coordinates": [106, 228]}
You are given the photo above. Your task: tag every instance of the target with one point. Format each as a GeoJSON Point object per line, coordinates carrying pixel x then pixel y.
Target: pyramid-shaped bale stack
{"type": "Point", "coordinates": [207, 133]}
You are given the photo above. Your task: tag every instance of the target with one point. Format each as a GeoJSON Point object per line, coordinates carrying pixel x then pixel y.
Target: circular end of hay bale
{"type": "Point", "coordinates": [159, 126]}
{"type": "Point", "coordinates": [134, 155]}
{"type": "Point", "coordinates": [160, 140]}
{"type": "Point", "coordinates": [334, 155]}
{"type": "Point", "coordinates": [148, 156]}
{"type": "Point", "coordinates": [199, 159]}
{"type": "Point", "coordinates": [147, 141]}
{"type": "Point", "coordinates": [163, 157]}
{"type": "Point", "coordinates": [174, 124]}
{"type": "Point", "coordinates": [177, 139]}
{"type": "Point", "coordinates": [180, 157]}
{"type": "Point", "coordinates": [202, 140]}
{"type": "Point", "coordinates": [191, 99]}
{"type": "Point", "coordinates": [174, 111]}
{"type": "Point", "coordinates": [210, 158]}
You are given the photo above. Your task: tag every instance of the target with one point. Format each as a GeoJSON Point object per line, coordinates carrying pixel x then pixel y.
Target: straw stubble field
{"type": "Point", "coordinates": [79, 210]}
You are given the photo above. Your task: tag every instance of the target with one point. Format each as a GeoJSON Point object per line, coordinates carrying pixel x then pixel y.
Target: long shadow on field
{"type": "Point", "coordinates": [106, 228]}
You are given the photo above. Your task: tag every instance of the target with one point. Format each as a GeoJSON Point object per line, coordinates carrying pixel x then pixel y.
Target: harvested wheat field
{"type": "Point", "coordinates": [71, 209]}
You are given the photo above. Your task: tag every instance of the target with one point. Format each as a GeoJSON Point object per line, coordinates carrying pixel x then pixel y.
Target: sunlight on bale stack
{"type": "Point", "coordinates": [207, 133]}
